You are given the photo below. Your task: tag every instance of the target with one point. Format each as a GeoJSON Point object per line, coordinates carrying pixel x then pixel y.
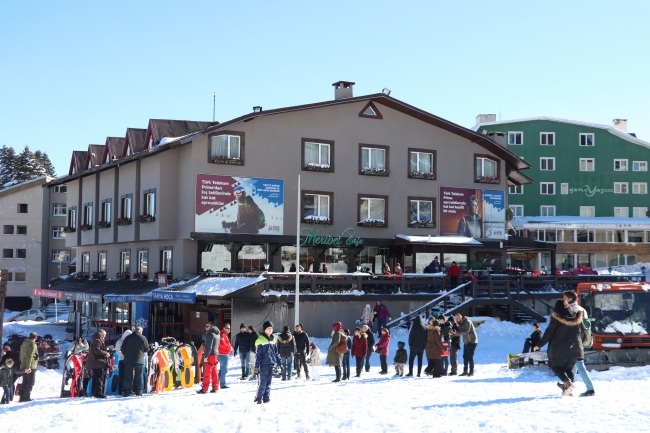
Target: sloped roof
{"type": "Point", "coordinates": [134, 140]}
{"type": "Point", "coordinates": [113, 149]}
{"type": "Point", "coordinates": [94, 156]}
{"type": "Point", "coordinates": [160, 128]}
{"type": "Point", "coordinates": [77, 162]}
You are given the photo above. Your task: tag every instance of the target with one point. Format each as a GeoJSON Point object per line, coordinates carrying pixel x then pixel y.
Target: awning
{"type": "Point", "coordinates": [94, 290]}
{"type": "Point", "coordinates": [437, 240]}
{"type": "Point", "coordinates": [119, 299]}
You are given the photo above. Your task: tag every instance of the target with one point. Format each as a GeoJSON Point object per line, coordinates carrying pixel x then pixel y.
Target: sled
{"type": "Point", "coordinates": [184, 366]}
{"type": "Point", "coordinates": [161, 363]}
{"type": "Point", "coordinates": [73, 375]}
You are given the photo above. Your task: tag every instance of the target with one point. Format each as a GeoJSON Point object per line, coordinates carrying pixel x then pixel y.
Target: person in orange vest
{"type": "Point", "coordinates": [225, 349]}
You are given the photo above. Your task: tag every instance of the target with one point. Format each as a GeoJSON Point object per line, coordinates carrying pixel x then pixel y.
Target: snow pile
{"type": "Point", "coordinates": [216, 286]}
{"type": "Point", "coordinates": [625, 270]}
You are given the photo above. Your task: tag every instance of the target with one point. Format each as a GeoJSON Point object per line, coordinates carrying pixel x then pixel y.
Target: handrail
{"type": "Point", "coordinates": [536, 298]}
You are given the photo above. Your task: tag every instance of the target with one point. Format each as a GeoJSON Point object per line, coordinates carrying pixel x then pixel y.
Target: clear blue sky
{"type": "Point", "coordinates": [73, 73]}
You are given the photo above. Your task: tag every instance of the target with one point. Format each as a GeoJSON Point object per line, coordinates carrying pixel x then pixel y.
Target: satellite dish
{"type": "Point", "coordinates": [509, 215]}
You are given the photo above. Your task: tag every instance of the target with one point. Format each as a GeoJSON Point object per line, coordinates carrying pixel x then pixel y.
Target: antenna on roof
{"type": "Point", "coordinates": [214, 104]}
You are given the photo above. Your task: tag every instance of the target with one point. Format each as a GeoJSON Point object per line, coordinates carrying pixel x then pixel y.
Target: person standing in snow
{"type": "Point", "coordinates": [381, 315]}
{"type": "Point", "coordinates": [454, 345]}
{"type": "Point", "coordinates": [243, 343]}
{"type": "Point", "coordinates": [400, 359]}
{"type": "Point", "coordinates": [470, 340]}
{"type": "Point", "coordinates": [371, 342]}
{"type": "Point", "coordinates": [346, 356]}
{"type": "Point", "coordinates": [254, 336]}
{"type": "Point", "coordinates": [444, 330]}
{"type": "Point", "coordinates": [302, 351]}
{"type": "Point", "coordinates": [286, 351]}
{"type": "Point", "coordinates": [367, 316]}
{"type": "Point", "coordinates": [134, 348]}
{"type": "Point", "coordinates": [120, 364]}
{"type": "Point", "coordinates": [225, 349]}
{"type": "Point", "coordinates": [314, 361]}
{"type": "Point", "coordinates": [334, 358]}
{"type": "Point", "coordinates": [417, 342]}
{"type": "Point", "coordinates": [97, 361]}
{"type": "Point", "coordinates": [587, 344]}
{"type": "Point", "coordinates": [434, 348]}
{"type": "Point", "coordinates": [359, 349]}
{"type": "Point", "coordinates": [533, 340]}
{"type": "Point", "coordinates": [15, 357]}
{"type": "Point", "coordinates": [6, 380]}
{"type": "Point", "coordinates": [210, 359]}
{"type": "Point", "coordinates": [266, 357]}
{"type": "Point", "coordinates": [382, 347]}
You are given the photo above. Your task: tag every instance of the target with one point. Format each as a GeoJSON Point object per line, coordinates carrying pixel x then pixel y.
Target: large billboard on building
{"type": "Point", "coordinates": [226, 204]}
{"type": "Point", "coordinates": [475, 213]}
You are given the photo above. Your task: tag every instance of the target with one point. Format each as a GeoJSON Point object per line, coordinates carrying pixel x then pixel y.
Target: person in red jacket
{"type": "Point", "coordinates": [359, 348]}
{"type": "Point", "coordinates": [453, 272]}
{"type": "Point", "coordinates": [225, 349]}
{"type": "Point", "coordinates": [384, 340]}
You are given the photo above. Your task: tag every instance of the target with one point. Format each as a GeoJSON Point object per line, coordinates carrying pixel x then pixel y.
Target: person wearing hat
{"type": "Point", "coordinates": [286, 350]}
{"type": "Point", "coordinates": [266, 357]}
{"type": "Point", "coordinates": [6, 379]}
{"type": "Point", "coordinates": [243, 343]}
{"type": "Point", "coordinates": [15, 357]}
{"type": "Point", "coordinates": [471, 225]}
{"type": "Point", "coordinates": [250, 217]}
{"type": "Point", "coordinates": [334, 358]}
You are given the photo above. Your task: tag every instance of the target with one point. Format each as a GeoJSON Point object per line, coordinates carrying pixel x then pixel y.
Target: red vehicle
{"type": "Point", "coordinates": [619, 313]}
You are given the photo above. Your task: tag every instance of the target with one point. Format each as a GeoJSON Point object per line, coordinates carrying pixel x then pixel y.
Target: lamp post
{"type": "Point", "coordinates": [267, 265]}
{"type": "Point", "coordinates": [359, 268]}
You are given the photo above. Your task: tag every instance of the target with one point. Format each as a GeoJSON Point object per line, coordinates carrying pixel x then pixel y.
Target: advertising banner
{"type": "Point", "coordinates": [178, 297]}
{"type": "Point", "coordinates": [47, 293]}
{"type": "Point", "coordinates": [475, 213]}
{"type": "Point", "coordinates": [118, 299]}
{"type": "Point", "coordinates": [226, 204]}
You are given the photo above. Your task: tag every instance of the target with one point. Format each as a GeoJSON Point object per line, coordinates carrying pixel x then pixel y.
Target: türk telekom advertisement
{"type": "Point", "coordinates": [475, 213]}
{"type": "Point", "coordinates": [226, 204]}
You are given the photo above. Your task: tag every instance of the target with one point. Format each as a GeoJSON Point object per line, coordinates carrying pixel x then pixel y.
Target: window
{"type": "Point", "coordinates": [620, 187]}
{"type": "Point", "coordinates": [370, 111]}
{"type": "Point", "coordinates": [7, 253]}
{"type": "Point", "coordinates": [150, 203]}
{"type": "Point", "coordinates": [516, 189]}
{"type": "Point", "coordinates": [547, 210]}
{"type": "Point", "coordinates": [60, 255]}
{"type": "Point", "coordinates": [57, 233]}
{"type": "Point", "coordinates": [639, 188]}
{"type": "Point", "coordinates": [634, 236]}
{"type": "Point", "coordinates": [85, 262]}
{"type": "Point", "coordinates": [373, 210]}
{"type": "Point", "coordinates": [21, 230]}
{"type": "Point", "coordinates": [126, 206]}
{"type": "Point", "coordinates": [143, 261]}
{"type": "Point", "coordinates": [422, 164]}
{"type": "Point", "coordinates": [9, 276]}
{"type": "Point", "coordinates": [317, 155]}
{"type": "Point", "coordinates": [615, 235]}
{"type": "Point", "coordinates": [316, 206]}
{"type": "Point", "coordinates": [640, 166]}
{"type": "Point", "coordinates": [125, 261]}
{"type": "Point", "coordinates": [564, 188]}
{"type": "Point", "coordinates": [88, 214]}
{"type": "Point", "coordinates": [639, 212]}
{"type": "Point", "coordinates": [8, 230]}
{"type": "Point", "coordinates": [517, 210]}
{"type": "Point", "coordinates": [59, 210]}
{"type": "Point", "coordinates": [72, 218]}
{"type": "Point", "coordinates": [101, 261]}
{"type": "Point", "coordinates": [61, 188]}
{"type": "Point", "coordinates": [547, 164]}
{"type": "Point", "coordinates": [621, 212]}
{"type": "Point", "coordinates": [588, 211]}
{"type": "Point", "coordinates": [106, 211]}
{"type": "Point", "coordinates": [21, 253]}
{"type": "Point", "coordinates": [587, 164]}
{"type": "Point", "coordinates": [515, 137]}
{"type": "Point", "coordinates": [22, 208]}
{"type": "Point", "coordinates": [226, 149]}
{"type": "Point", "coordinates": [166, 261]}
{"type": "Point", "coordinates": [374, 159]}
{"type": "Point", "coordinates": [585, 236]}
{"type": "Point", "coordinates": [587, 139]}
{"type": "Point", "coordinates": [486, 169]}
{"type": "Point", "coordinates": [547, 188]}
{"type": "Point", "coordinates": [547, 138]}
{"type": "Point", "coordinates": [620, 165]}
{"type": "Point", "coordinates": [422, 212]}
{"type": "Point", "coordinates": [20, 277]}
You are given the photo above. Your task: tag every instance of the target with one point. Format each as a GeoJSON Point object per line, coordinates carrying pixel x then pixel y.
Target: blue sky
{"type": "Point", "coordinates": [73, 73]}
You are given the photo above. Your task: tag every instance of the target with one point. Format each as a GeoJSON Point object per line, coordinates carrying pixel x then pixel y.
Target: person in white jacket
{"type": "Point", "coordinates": [314, 361]}
{"type": "Point", "coordinates": [366, 316]}
{"type": "Point", "coordinates": [120, 365]}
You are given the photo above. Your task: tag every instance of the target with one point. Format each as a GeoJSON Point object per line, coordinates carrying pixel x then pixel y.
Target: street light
{"type": "Point", "coordinates": [359, 268]}
{"type": "Point", "coordinates": [267, 265]}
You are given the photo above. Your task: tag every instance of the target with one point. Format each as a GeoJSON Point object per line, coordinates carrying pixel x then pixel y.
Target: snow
{"type": "Point", "coordinates": [216, 286]}
{"type": "Point", "coordinates": [494, 400]}
{"type": "Point", "coordinates": [461, 240]}
{"type": "Point", "coordinates": [574, 222]}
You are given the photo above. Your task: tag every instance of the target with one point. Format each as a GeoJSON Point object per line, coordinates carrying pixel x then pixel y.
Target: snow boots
{"type": "Point", "coordinates": [567, 389]}
{"type": "Point", "coordinates": [338, 374]}
{"type": "Point", "coordinates": [588, 393]}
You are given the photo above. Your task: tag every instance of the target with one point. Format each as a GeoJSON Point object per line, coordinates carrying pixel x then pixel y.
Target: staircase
{"type": "Point", "coordinates": [61, 308]}
{"type": "Point", "coordinates": [519, 316]}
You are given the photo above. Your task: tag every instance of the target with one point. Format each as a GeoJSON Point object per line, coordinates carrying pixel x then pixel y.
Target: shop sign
{"type": "Point", "coordinates": [77, 296]}
{"type": "Point", "coordinates": [590, 191]}
{"type": "Point", "coordinates": [46, 293]}
{"type": "Point", "coordinates": [117, 299]}
{"type": "Point", "coordinates": [312, 237]}
{"type": "Point", "coordinates": [162, 280]}
{"type": "Point", "coordinates": [177, 297]}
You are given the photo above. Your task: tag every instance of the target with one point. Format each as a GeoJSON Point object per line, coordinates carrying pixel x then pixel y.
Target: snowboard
{"type": "Point", "coordinates": [199, 364]}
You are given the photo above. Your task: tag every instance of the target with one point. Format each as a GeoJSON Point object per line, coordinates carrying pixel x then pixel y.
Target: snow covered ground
{"type": "Point", "coordinates": [494, 400]}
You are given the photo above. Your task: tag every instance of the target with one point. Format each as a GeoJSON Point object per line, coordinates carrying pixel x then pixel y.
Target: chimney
{"type": "Point", "coordinates": [620, 124]}
{"type": "Point", "coordinates": [499, 137]}
{"type": "Point", "coordinates": [343, 89]}
{"type": "Point", "coordinates": [485, 118]}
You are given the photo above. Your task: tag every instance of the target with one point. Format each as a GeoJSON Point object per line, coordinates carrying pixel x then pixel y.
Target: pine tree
{"type": "Point", "coordinates": [45, 165]}
{"type": "Point", "coordinates": [27, 167]}
{"type": "Point", "coordinates": [8, 161]}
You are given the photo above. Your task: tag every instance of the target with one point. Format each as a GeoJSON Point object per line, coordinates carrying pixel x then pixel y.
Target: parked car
{"type": "Point", "coordinates": [28, 315]}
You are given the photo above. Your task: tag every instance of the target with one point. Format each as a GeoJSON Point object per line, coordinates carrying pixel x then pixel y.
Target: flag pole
{"type": "Point", "coordinates": [297, 299]}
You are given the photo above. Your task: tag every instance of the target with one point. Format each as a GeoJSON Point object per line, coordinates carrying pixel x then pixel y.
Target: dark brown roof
{"type": "Point", "coordinates": [113, 149]}
{"type": "Point", "coordinates": [77, 162]}
{"type": "Point", "coordinates": [160, 128]}
{"type": "Point", "coordinates": [94, 156]}
{"type": "Point", "coordinates": [134, 140]}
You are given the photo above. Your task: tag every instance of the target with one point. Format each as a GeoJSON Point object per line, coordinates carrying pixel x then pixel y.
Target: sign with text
{"type": "Point", "coordinates": [163, 280]}
{"type": "Point", "coordinates": [118, 299]}
{"type": "Point", "coordinates": [176, 297]}
{"type": "Point", "coordinates": [47, 293]}
{"type": "Point", "coordinates": [226, 204]}
{"type": "Point", "coordinates": [475, 213]}
{"type": "Point", "coordinates": [313, 237]}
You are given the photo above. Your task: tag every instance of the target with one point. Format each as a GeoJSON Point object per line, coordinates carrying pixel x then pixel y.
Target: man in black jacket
{"type": "Point", "coordinates": [371, 343]}
{"type": "Point", "coordinates": [534, 338]}
{"type": "Point", "coordinates": [243, 343]}
{"type": "Point", "coordinates": [254, 336]}
{"type": "Point", "coordinates": [133, 348]}
{"type": "Point", "coordinates": [417, 343]}
{"type": "Point", "coordinates": [454, 346]}
{"type": "Point", "coordinates": [302, 350]}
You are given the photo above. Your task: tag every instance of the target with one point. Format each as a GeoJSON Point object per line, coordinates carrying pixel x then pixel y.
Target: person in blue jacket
{"type": "Point", "coordinates": [266, 357]}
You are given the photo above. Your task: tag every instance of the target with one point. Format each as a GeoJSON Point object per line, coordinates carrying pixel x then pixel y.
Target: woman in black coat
{"type": "Point", "coordinates": [417, 342]}
{"type": "Point", "coordinates": [564, 335]}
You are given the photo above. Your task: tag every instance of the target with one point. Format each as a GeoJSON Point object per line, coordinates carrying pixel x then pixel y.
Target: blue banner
{"type": "Point", "coordinates": [127, 298]}
{"type": "Point", "coordinates": [178, 297]}
{"type": "Point", "coordinates": [141, 316]}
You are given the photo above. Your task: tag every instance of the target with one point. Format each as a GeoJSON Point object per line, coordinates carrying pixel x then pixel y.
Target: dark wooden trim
{"type": "Point", "coordinates": [493, 158]}
{"type": "Point", "coordinates": [435, 161]}
{"type": "Point", "coordinates": [316, 140]}
{"type": "Point", "coordinates": [384, 197]}
{"type": "Point", "coordinates": [242, 145]}
{"type": "Point", "coordinates": [308, 191]}
{"type": "Point", "coordinates": [374, 108]}
{"type": "Point", "coordinates": [434, 215]}
{"type": "Point", "coordinates": [374, 146]}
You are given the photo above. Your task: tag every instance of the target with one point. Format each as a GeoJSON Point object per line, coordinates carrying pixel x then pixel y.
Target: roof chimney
{"type": "Point", "coordinates": [497, 136]}
{"type": "Point", "coordinates": [485, 118]}
{"type": "Point", "coordinates": [620, 124]}
{"type": "Point", "coordinates": [343, 89]}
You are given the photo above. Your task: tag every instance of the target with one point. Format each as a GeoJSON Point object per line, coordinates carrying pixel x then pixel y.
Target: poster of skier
{"type": "Point", "coordinates": [227, 204]}
{"type": "Point", "coordinates": [473, 213]}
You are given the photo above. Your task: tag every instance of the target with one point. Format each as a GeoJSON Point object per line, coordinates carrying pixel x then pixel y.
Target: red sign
{"type": "Point", "coordinates": [162, 280]}
{"type": "Point", "coordinates": [47, 293]}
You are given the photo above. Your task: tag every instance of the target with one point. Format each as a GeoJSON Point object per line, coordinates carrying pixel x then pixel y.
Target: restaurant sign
{"type": "Point", "coordinates": [347, 238]}
{"type": "Point", "coordinates": [178, 297]}
{"type": "Point", "coordinates": [47, 293]}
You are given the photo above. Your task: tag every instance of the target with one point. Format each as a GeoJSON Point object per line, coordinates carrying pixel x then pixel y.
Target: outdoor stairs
{"type": "Point", "coordinates": [519, 316]}
{"type": "Point", "coordinates": [61, 308]}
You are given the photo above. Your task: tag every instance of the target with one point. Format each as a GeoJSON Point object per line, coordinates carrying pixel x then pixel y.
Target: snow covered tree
{"type": "Point", "coordinates": [16, 168]}
{"type": "Point", "coordinates": [46, 167]}
{"type": "Point", "coordinates": [8, 160]}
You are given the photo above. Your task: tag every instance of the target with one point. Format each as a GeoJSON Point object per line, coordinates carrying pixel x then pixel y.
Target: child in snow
{"type": "Point", "coordinates": [314, 361]}
{"type": "Point", "coordinates": [400, 359]}
{"type": "Point", "coordinates": [7, 380]}
{"type": "Point", "coordinates": [346, 356]}
{"type": "Point", "coordinates": [359, 348]}
{"type": "Point", "coordinates": [384, 339]}
{"type": "Point", "coordinates": [267, 357]}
